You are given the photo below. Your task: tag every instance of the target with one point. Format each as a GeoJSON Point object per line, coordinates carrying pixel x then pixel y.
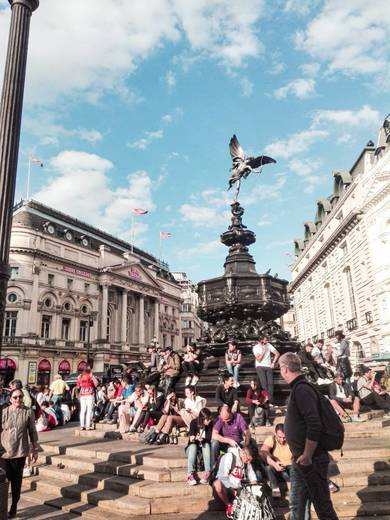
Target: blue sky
{"type": "Point", "coordinates": [132, 104]}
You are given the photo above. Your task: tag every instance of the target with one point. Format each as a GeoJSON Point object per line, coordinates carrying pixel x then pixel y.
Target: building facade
{"type": "Point", "coordinates": [341, 275]}
{"type": "Point", "coordinates": [77, 293]}
{"type": "Point", "coordinates": [191, 325]}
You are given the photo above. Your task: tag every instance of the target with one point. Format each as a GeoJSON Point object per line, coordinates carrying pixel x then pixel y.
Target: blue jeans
{"type": "Point", "coordinates": [310, 484]}
{"type": "Point", "coordinates": [234, 370]}
{"type": "Point", "coordinates": [276, 478]}
{"type": "Point", "coordinates": [191, 452]}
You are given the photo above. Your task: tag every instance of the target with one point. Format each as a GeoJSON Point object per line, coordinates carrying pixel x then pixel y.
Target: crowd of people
{"type": "Point", "coordinates": [221, 449]}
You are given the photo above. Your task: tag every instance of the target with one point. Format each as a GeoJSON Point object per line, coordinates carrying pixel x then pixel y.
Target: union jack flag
{"type": "Point", "coordinates": [35, 160]}
{"type": "Point", "coordinates": [165, 234]}
{"type": "Point", "coordinates": [139, 211]}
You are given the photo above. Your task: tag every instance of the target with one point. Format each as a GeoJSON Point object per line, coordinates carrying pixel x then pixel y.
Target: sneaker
{"type": "Point", "coordinates": [276, 492]}
{"type": "Point", "coordinates": [131, 429]}
{"type": "Point", "coordinates": [194, 380]}
{"type": "Point", "coordinates": [191, 481]}
{"type": "Point", "coordinates": [356, 418]}
{"type": "Point", "coordinates": [205, 478]}
{"type": "Point", "coordinates": [229, 511]}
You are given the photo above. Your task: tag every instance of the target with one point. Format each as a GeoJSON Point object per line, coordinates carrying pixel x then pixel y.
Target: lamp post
{"type": "Point", "coordinates": [10, 122]}
{"type": "Point", "coordinates": [90, 324]}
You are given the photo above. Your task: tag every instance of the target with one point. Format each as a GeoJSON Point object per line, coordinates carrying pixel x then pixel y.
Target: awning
{"type": "Point", "coordinates": [44, 365]}
{"type": "Point", "coordinates": [7, 363]}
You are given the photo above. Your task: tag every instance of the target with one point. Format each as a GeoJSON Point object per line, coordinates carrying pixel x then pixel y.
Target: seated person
{"type": "Point", "coordinates": [192, 405]}
{"type": "Point", "coordinates": [307, 360]}
{"type": "Point", "coordinates": [233, 361]}
{"type": "Point", "coordinates": [278, 457]}
{"type": "Point", "coordinates": [199, 439]}
{"type": "Point", "coordinates": [191, 365]}
{"type": "Point", "coordinates": [342, 397]}
{"type": "Point", "coordinates": [257, 401]}
{"type": "Point", "coordinates": [379, 389]}
{"type": "Point", "coordinates": [48, 419]}
{"type": "Point", "coordinates": [234, 467]}
{"type": "Point", "coordinates": [226, 394]}
{"type": "Point", "coordinates": [136, 405]}
{"type": "Point", "coordinates": [170, 417]}
{"type": "Point", "coordinates": [153, 377]}
{"type": "Point", "coordinates": [229, 431]}
{"type": "Point", "coordinates": [115, 399]}
{"type": "Point", "coordinates": [365, 388]}
{"type": "Point", "coordinates": [148, 404]}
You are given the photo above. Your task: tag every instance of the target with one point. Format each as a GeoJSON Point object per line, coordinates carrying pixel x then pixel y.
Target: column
{"type": "Point", "coordinates": [35, 316]}
{"type": "Point", "coordinates": [104, 314]}
{"type": "Point", "coordinates": [157, 319]}
{"type": "Point", "coordinates": [124, 317]}
{"type": "Point", "coordinates": [10, 121]}
{"type": "Point", "coordinates": [141, 322]}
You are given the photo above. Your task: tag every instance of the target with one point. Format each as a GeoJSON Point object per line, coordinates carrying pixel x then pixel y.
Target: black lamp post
{"type": "Point", "coordinates": [10, 122]}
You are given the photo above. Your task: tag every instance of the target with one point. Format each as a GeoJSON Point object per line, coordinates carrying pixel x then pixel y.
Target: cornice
{"type": "Point", "coordinates": [339, 233]}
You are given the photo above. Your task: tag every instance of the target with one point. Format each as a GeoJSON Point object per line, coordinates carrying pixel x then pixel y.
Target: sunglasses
{"type": "Point", "coordinates": [17, 397]}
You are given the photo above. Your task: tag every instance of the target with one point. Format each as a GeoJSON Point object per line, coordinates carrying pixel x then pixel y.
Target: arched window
{"type": "Point", "coordinates": [314, 315]}
{"type": "Point", "coordinates": [329, 306]}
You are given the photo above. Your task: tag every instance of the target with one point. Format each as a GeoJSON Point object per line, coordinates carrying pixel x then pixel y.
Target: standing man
{"type": "Point", "coordinates": [303, 427]}
{"type": "Point", "coordinates": [343, 364]}
{"type": "Point", "coordinates": [58, 389]}
{"type": "Point", "coordinates": [266, 357]}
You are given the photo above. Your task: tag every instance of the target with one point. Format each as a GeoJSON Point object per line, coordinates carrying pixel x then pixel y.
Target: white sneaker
{"type": "Point", "coordinates": [191, 480]}
{"type": "Point", "coordinates": [188, 381]}
{"type": "Point", "coordinates": [194, 381]}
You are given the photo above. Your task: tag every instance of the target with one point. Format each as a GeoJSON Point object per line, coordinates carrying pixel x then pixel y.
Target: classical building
{"type": "Point", "coordinates": [341, 275]}
{"type": "Point", "coordinates": [191, 325]}
{"type": "Point", "coordinates": [77, 292]}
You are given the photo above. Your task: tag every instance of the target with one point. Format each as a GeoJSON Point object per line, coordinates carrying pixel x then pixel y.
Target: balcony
{"type": "Point", "coordinates": [330, 333]}
{"type": "Point", "coordinates": [352, 324]}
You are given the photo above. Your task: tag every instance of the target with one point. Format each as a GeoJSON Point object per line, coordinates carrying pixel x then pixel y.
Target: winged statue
{"type": "Point", "coordinates": [242, 165]}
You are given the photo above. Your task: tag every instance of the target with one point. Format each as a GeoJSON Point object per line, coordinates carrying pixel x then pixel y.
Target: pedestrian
{"type": "Point", "coordinates": [17, 432]}
{"type": "Point", "coordinates": [233, 361]}
{"type": "Point", "coordinates": [343, 363]}
{"type": "Point", "coordinates": [87, 384]}
{"type": "Point", "coordinates": [303, 429]}
{"type": "Point", "coordinates": [266, 357]}
{"type": "Point", "coordinates": [58, 389]}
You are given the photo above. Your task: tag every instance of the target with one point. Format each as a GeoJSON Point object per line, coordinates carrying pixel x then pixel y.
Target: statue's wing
{"type": "Point", "coordinates": [236, 151]}
{"type": "Point", "coordinates": [257, 162]}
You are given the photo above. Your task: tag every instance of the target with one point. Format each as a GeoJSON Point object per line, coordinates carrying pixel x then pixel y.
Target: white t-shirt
{"type": "Point", "coordinates": [267, 349]}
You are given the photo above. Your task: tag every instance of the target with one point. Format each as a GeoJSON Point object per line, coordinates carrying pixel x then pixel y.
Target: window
{"type": "Point", "coordinates": [69, 284]}
{"type": "Point", "coordinates": [86, 288]}
{"type": "Point", "coordinates": [12, 297]}
{"type": "Point", "coordinates": [45, 327]}
{"type": "Point", "coordinates": [344, 249]}
{"type": "Point", "coordinates": [50, 279]}
{"type": "Point", "coordinates": [10, 323]}
{"type": "Point", "coordinates": [65, 328]}
{"type": "Point", "coordinates": [47, 303]}
{"type": "Point", "coordinates": [186, 307]}
{"type": "Point", "coordinates": [14, 272]}
{"type": "Point", "coordinates": [166, 309]}
{"type": "Point", "coordinates": [350, 292]}
{"type": "Point", "coordinates": [67, 306]}
{"type": "Point", "coordinates": [172, 341]}
{"type": "Point", "coordinates": [83, 330]}
{"type": "Point", "coordinates": [108, 328]}
{"type": "Point", "coordinates": [330, 309]}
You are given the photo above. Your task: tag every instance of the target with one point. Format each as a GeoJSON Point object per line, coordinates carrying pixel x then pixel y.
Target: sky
{"type": "Point", "coordinates": [132, 103]}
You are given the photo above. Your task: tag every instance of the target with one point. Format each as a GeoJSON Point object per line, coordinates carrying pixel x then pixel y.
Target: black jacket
{"type": "Point", "coordinates": [333, 391]}
{"type": "Point", "coordinates": [223, 396]}
{"type": "Point", "coordinates": [303, 419]}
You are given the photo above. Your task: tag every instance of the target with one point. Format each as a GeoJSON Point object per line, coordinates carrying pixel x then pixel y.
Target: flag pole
{"type": "Point", "coordinates": [132, 233]}
{"type": "Point", "coordinates": [28, 178]}
{"type": "Point", "coordinates": [160, 249]}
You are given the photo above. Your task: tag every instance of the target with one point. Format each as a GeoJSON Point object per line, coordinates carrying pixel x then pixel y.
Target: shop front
{"type": "Point", "coordinates": [81, 366]}
{"type": "Point", "coordinates": [7, 370]}
{"type": "Point", "coordinates": [44, 372]}
{"type": "Point", "coordinates": [64, 368]}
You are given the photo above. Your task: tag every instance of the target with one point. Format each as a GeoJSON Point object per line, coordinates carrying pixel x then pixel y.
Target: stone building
{"type": "Point", "coordinates": [191, 324]}
{"type": "Point", "coordinates": [76, 291]}
{"type": "Point", "coordinates": [341, 275]}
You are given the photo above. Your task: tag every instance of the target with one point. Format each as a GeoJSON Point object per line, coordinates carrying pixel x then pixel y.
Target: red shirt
{"type": "Point", "coordinates": [87, 384]}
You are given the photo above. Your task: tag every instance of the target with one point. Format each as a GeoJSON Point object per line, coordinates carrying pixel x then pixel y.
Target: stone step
{"type": "Point", "coordinates": [362, 479]}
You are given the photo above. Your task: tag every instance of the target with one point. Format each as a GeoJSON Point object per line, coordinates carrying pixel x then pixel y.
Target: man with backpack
{"type": "Point", "coordinates": [312, 429]}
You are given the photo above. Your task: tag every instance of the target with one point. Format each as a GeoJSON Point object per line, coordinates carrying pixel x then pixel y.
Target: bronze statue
{"type": "Point", "coordinates": [243, 166]}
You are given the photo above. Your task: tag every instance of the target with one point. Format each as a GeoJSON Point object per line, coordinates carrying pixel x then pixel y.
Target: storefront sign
{"type": "Point", "coordinates": [78, 272]}
{"type": "Point", "coordinates": [133, 273]}
{"type": "Point", "coordinates": [64, 366]}
{"type": "Point", "coordinates": [7, 363]}
{"type": "Point", "coordinates": [32, 373]}
{"type": "Point", "coordinates": [44, 366]}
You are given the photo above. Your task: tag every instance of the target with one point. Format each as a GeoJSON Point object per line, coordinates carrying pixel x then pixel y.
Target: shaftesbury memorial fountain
{"type": "Point", "coordinates": [241, 304]}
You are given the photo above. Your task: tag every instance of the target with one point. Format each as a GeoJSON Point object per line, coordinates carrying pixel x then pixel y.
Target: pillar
{"type": "Point", "coordinates": [10, 121]}
{"type": "Point", "coordinates": [104, 314]}
{"type": "Point", "coordinates": [141, 320]}
{"type": "Point", "coordinates": [157, 319]}
{"type": "Point", "coordinates": [34, 325]}
{"type": "Point", "coordinates": [124, 317]}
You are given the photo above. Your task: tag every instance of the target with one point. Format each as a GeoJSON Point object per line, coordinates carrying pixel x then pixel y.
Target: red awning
{"type": "Point", "coordinates": [64, 366]}
{"type": "Point", "coordinates": [44, 365]}
{"type": "Point", "coordinates": [82, 366]}
{"type": "Point", "coordinates": [7, 363]}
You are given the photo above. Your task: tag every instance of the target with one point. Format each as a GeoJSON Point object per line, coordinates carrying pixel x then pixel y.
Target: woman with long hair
{"type": "Point", "coordinates": [17, 432]}
{"type": "Point", "coordinates": [199, 438]}
{"type": "Point", "coordinates": [170, 417]}
{"type": "Point", "coordinates": [87, 383]}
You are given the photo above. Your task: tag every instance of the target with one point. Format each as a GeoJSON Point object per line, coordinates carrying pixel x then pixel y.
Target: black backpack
{"type": "Point", "coordinates": [214, 470]}
{"type": "Point", "coordinates": [332, 434]}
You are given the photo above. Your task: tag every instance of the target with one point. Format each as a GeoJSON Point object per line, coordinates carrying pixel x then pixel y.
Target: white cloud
{"type": "Point", "coordinates": [144, 142]}
{"type": "Point", "coordinates": [300, 7]}
{"type": "Point", "coordinates": [301, 88]}
{"type": "Point", "coordinates": [310, 69]}
{"type": "Point", "coordinates": [86, 58]}
{"type": "Point", "coordinates": [295, 144]}
{"type": "Point", "coordinates": [350, 37]}
{"type": "Point", "coordinates": [170, 79]}
{"type": "Point", "coordinates": [276, 68]}
{"type": "Point", "coordinates": [81, 186]}
{"type": "Point", "coordinates": [264, 221]}
{"type": "Point", "coordinates": [204, 248]}
{"type": "Point", "coordinates": [263, 192]}
{"type": "Point", "coordinates": [167, 118]}
{"type": "Point", "coordinates": [201, 215]}
{"type": "Point", "coordinates": [246, 86]}
{"type": "Point", "coordinates": [365, 117]}
{"type": "Point", "coordinates": [303, 167]}
{"type": "Point", "coordinates": [345, 138]}
{"type": "Point", "coordinates": [311, 182]}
